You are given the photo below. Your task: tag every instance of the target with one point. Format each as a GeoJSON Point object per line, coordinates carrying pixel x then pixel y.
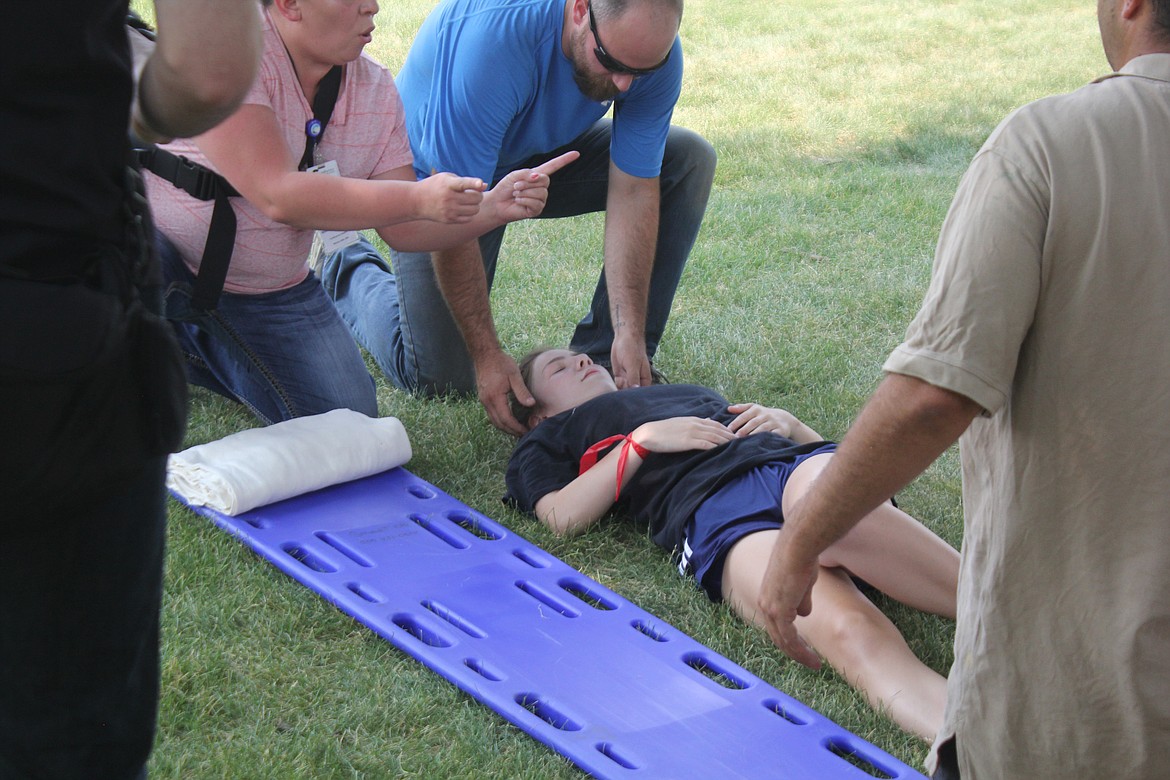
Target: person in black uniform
{"type": "Point", "coordinates": [92, 394]}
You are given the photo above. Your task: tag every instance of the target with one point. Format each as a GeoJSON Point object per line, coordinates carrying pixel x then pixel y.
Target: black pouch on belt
{"type": "Point", "coordinates": [91, 381]}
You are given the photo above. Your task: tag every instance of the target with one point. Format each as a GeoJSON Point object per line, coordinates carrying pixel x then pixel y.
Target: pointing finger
{"type": "Point", "coordinates": [556, 163]}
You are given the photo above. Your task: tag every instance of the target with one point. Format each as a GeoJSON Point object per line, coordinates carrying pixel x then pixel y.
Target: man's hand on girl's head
{"type": "Point", "coordinates": [495, 378]}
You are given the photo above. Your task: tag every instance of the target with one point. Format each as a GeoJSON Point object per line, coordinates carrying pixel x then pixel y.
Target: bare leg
{"type": "Point", "coordinates": [851, 634]}
{"type": "Point", "coordinates": [890, 550]}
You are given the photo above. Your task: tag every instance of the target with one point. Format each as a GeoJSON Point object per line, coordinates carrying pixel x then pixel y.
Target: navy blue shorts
{"type": "Point", "coordinates": [747, 504]}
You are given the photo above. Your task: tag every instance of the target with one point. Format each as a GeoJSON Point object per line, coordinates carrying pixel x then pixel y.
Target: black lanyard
{"type": "Point", "coordinates": [322, 110]}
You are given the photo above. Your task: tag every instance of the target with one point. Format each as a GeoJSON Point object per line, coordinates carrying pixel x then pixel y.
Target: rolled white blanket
{"type": "Point", "coordinates": [262, 465]}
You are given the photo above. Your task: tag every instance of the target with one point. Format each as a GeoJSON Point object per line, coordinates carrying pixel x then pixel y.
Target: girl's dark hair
{"type": "Point", "coordinates": [522, 413]}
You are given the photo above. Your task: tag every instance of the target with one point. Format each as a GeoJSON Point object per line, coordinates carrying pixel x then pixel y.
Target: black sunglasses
{"type": "Point", "coordinates": [608, 62]}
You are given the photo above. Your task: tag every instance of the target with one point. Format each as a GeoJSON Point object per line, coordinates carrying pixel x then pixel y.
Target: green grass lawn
{"type": "Point", "coordinates": [842, 129]}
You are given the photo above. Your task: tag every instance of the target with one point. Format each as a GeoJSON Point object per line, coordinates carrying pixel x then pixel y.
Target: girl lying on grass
{"type": "Point", "coordinates": [712, 480]}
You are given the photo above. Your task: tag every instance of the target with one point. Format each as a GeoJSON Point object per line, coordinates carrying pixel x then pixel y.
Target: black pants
{"type": "Point", "coordinates": [80, 589]}
{"type": "Point", "coordinates": [948, 762]}
{"type": "Point", "coordinates": [89, 396]}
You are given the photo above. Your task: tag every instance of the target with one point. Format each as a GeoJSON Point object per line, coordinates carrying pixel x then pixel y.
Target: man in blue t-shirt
{"type": "Point", "coordinates": [492, 84]}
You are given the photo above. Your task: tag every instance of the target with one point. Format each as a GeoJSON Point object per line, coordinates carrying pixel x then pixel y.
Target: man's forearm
{"type": "Point", "coordinates": [903, 428]}
{"type": "Point", "coordinates": [420, 235]}
{"type": "Point", "coordinates": [202, 66]}
{"type": "Point", "coordinates": [631, 237]}
{"type": "Point", "coordinates": [461, 278]}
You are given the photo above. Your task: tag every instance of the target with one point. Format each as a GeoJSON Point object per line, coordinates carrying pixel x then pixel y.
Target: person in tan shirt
{"type": "Point", "coordinates": [1041, 345]}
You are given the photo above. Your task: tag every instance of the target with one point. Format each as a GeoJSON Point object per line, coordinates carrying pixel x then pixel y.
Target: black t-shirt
{"type": "Point", "coordinates": [66, 81]}
{"type": "Point", "coordinates": [667, 489]}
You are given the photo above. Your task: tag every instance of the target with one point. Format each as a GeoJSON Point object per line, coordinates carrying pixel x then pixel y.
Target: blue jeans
{"type": "Point", "coordinates": [403, 320]}
{"type": "Point", "coordinates": [282, 354]}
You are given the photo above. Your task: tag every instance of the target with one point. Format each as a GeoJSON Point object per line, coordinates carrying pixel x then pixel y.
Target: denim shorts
{"type": "Point", "coordinates": [749, 503]}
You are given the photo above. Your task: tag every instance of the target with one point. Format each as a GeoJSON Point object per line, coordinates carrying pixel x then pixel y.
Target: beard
{"type": "Point", "coordinates": [593, 86]}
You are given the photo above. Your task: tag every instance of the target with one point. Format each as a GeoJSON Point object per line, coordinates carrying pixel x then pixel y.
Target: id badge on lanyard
{"type": "Point", "coordinates": [333, 240]}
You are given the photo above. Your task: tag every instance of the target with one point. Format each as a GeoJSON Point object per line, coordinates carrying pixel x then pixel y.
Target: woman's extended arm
{"type": "Point", "coordinates": [754, 418]}
{"type": "Point", "coordinates": [583, 502]}
{"type": "Point", "coordinates": [250, 152]}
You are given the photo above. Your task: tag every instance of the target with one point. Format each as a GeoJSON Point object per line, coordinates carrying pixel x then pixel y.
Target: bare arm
{"type": "Point", "coordinates": [202, 66]}
{"type": "Point", "coordinates": [903, 428]}
{"type": "Point", "coordinates": [460, 275]}
{"type": "Point", "coordinates": [249, 150]}
{"type": "Point", "coordinates": [584, 501]}
{"type": "Point", "coordinates": [631, 237]}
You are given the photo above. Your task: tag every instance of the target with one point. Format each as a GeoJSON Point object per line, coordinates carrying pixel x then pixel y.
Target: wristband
{"type": "Point", "coordinates": [621, 467]}
{"type": "Point", "coordinates": [638, 448]}
{"type": "Point", "coordinates": [589, 459]}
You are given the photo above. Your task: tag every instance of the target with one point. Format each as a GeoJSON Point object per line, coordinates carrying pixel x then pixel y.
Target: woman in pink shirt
{"type": "Point", "coordinates": [274, 340]}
